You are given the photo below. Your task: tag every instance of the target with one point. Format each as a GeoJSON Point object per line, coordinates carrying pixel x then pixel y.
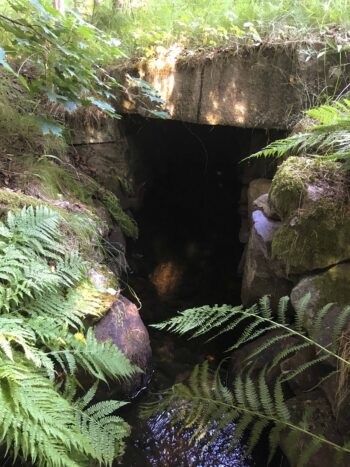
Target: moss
{"type": "Point", "coordinates": [333, 286]}
{"type": "Point", "coordinates": [80, 228]}
{"type": "Point", "coordinates": [292, 177]}
{"type": "Point", "coordinates": [98, 292]}
{"type": "Point", "coordinates": [57, 182]}
{"type": "Point", "coordinates": [315, 238]}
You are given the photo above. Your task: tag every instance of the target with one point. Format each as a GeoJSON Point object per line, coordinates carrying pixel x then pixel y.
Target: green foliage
{"type": "Point", "coordinates": [98, 423]}
{"type": "Point", "coordinates": [328, 136]}
{"type": "Point", "coordinates": [66, 53]}
{"type": "Point", "coordinates": [206, 405]}
{"type": "Point", "coordinates": [252, 403]}
{"type": "Point", "coordinates": [220, 22]}
{"type": "Point", "coordinates": [42, 341]}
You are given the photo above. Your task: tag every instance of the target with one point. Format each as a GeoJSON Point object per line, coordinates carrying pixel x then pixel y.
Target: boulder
{"type": "Point", "coordinates": [331, 286]}
{"type": "Point", "coordinates": [256, 188]}
{"type": "Point", "coordinates": [259, 278]}
{"type": "Point", "coordinates": [311, 197]}
{"type": "Point", "coordinates": [262, 204]}
{"type": "Point", "coordinates": [123, 325]}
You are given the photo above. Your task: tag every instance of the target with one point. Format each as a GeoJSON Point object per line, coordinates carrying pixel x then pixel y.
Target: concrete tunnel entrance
{"type": "Point", "coordinates": [194, 205]}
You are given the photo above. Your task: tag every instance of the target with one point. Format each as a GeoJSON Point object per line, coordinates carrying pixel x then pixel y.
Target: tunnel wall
{"type": "Point", "coordinates": [250, 87]}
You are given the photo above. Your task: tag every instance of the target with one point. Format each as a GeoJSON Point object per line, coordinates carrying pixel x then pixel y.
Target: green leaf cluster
{"type": "Point", "coordinates": [44, 349]}
{"type": "Point", "coordinates": [61, 56]}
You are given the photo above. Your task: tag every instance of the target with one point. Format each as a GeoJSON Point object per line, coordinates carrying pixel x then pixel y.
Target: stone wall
{"type": "Point", "coordinates": [251, 87]}
{"type": "Point", "coordinates": [298, 244]}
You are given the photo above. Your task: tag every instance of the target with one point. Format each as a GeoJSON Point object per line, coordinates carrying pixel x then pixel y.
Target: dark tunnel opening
{"type": "Point", "coordinates": [192, 213]}
{"type": "Point", "coordinates": [194, 200]}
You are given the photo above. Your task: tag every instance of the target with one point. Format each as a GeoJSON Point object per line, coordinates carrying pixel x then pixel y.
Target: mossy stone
{"type": "Point", "coordinates": [313, 240]}
{"type": "Point", "coordinates": [312, 198]}
{"type": "Point", "coordinates": [291, 179]}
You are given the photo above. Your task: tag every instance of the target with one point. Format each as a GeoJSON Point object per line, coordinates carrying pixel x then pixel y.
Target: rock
{"type": "Point", "coordinates": [116, 239]}
{"type": "Point", "coordinates": [312, 198]}
{"type": "Point", "coordinates": [96, 294]}
{"type": "Point", "coordinates": [240, 358]}
{"type": "Point", "coordinates": [262, 204]}
{"type": "Point", "coordinates": [259, 278]}
{"type": "Point", "coordinates": [332, 286]}
{"type": "Point", "coordinates": [123, 325]}
{"type": "Point", "coordinates": [321, 422]}
{"type": "Point", "coordinates": [307, 379]}
{"type": "Point", "coordinates": [256, 188]}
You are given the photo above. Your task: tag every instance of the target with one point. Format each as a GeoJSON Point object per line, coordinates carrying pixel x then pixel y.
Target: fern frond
{"type": "Point", "coordinates": [103, 360]}
{"type": "Point", "coordinates": [199, 321]}
{"type": "Point", "coordinates": [40, 309]}
{"type": "Point", "coordinates": [328, 136]}
{"type": "Point", "coordinates": [35, 421]}
{"type": "Point", "coordinates": [105, 431]}
{"type": "Point", "coordinates": [198, 408]}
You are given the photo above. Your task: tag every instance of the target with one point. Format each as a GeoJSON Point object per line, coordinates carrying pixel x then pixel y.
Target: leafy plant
{"type": "Point", "coordinates": [43, 345]}
{"type": "Point", "coordinates": [66, 55]}
{"type": "Point", "coordinates": [327, 136]}
{"type": "Point", "coordinates": [251, 403]}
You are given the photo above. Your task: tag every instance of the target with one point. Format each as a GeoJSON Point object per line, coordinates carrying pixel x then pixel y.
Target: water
{"type": "Point", "coordinates": [160, 444]}
{"type": "Point", "coordinates": [156, 442]}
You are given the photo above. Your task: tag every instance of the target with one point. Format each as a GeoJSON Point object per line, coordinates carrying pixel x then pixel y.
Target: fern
{"type": "Point", "coordinates": [42, 340]}
{"type": "Point", "coordinates": [206, 405]}
{"type": "Point", "coordinates": [104, 430]}
{"type": "Point", "coordinates": [251, 403]}
{"type": "Point", "coordinates": [328, 136]}
{"type": "Point", "coordinates": [258, 320]}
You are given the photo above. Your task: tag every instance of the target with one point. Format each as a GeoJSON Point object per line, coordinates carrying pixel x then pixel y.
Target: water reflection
{"type": "Point", "coordinates": [156, 443]}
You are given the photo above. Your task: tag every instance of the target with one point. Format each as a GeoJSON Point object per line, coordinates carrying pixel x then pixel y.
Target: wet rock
{"type": "Point", "coordinates": [259, 278]}
{"type": "Point", "coordinates": [123, 325]}
{"type": "Point", "coordinates": [332, 286]}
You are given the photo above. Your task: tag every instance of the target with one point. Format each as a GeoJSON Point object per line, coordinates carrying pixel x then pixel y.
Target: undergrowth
{"type": "Point", "coordinates": [20, 124]}
{"type": "Point", "coordinates": [43, 344]}
{"type": "Point", "coordinates": [145, 25]}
